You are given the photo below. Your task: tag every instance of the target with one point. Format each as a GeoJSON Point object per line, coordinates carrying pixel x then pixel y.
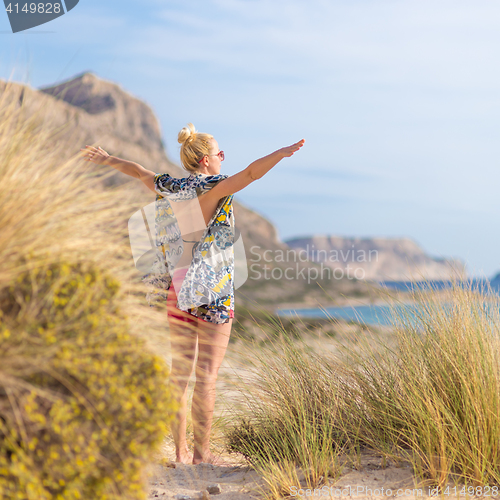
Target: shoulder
{"type": "Point", "coordinates": [165, 183]}
{"type": "Point", "coordinates": [212, 180]}
{"type": "Point", "coordinates": [162, 180]}
{"type": "Point", "coordinates": [204, 183]}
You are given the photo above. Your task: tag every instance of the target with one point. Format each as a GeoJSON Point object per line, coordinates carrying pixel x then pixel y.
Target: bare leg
{"type": "Point", "coordinates": [212, 344]}
{"type": "Point", "coordinates": [183, 338]}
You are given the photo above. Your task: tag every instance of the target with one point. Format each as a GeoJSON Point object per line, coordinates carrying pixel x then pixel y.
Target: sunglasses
{"type": "Point", "coordinates": [220, 154]}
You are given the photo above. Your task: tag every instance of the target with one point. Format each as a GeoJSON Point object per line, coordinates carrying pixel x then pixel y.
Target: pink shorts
{"type": "Point", "coordinates": [173, 311]}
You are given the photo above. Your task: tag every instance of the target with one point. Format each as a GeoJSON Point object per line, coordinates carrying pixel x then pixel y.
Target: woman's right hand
{"type": "Point", "coordinates": [288, 151]}
{"type": "Point", "coordinates": [95, 155]}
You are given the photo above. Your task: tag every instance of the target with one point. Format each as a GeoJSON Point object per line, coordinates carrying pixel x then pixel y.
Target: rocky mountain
{"type": "Point", "coordinates": [375, 258]}
{"type": "Point", "coordinates": [89, 110]}
{"type": "Point", "coordinates": [105, 113]}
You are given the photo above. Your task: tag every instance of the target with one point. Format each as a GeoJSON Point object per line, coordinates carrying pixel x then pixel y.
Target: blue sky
{"type": "Point", "coordinates": [399, 103]}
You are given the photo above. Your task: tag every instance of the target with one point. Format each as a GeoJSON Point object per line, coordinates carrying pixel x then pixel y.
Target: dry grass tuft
{"type": "Point", "coordinates": [431, 396]}
{"type": "Point", "coordinates": [83, 401]}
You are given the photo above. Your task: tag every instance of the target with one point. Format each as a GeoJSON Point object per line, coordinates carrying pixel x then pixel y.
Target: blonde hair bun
{"type": "Point", "coordinates": [187, 134]}
{"type": "Point", "coordinates": [194, 146]}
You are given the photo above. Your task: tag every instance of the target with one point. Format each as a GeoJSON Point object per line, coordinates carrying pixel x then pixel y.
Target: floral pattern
{"type": "Point", "coordinates": [207, 291]}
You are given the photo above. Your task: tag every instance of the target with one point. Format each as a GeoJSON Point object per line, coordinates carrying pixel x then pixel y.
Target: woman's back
{"type": "Point", "coordinates": [192, 217]}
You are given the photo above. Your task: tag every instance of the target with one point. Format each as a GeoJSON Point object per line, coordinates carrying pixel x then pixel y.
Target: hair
{"type": "Point", "coordinates": [195, 145]}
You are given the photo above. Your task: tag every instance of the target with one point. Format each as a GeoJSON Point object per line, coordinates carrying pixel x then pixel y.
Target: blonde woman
{"type": "Point", "coordinates": [194, 228]}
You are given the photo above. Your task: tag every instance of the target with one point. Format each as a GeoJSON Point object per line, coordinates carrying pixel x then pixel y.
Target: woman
{"type": "Point", "coordinates": [197, 318]}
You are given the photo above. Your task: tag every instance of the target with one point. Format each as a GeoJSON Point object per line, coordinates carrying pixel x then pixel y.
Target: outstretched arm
{"type": "Point", "coordinates": [100, 157]}
{"type": "Point", "coordinates": [254, 171]}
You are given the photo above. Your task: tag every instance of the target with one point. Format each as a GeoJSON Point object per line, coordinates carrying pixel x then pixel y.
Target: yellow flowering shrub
{"type": "Point", "coordinates": [82, 402]}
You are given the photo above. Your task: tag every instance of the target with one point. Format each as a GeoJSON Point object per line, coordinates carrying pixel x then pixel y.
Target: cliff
{"type": "Point", "coordinates": [122, 124]}
{"type": "Point", "coordinates": [375, 258]}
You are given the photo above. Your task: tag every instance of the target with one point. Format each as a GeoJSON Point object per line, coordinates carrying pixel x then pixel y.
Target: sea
{"type": "Point", "coordinates": [384, 314]}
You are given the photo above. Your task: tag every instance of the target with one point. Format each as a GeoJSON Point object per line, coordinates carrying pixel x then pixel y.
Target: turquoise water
{"type": "Point", "coordinates": [369, 315]}
{"type": "Point", "coordinates": [375, 315]}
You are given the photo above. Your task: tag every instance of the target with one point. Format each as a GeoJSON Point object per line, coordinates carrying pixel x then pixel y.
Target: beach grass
{"type": "Point", "coordinates": [436, 396]}
{"type": "Point", "coordinates": [291, 433]}
{"type": "Point", "coordinates": [429, 396]}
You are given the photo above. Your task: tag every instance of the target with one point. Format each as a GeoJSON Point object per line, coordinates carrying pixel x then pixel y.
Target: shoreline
{"type": "Point", "coordinates": [345, 302]}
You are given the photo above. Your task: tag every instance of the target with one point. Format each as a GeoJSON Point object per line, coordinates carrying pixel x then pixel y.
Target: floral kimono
{"type": "Point", "coordinates": [207, 291]}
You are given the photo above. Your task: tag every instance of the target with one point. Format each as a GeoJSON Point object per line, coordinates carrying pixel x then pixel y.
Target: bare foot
{"type": "Point", "coordinates": [184, 458]}
{"type": "Point", "coordinates": [211, 459]}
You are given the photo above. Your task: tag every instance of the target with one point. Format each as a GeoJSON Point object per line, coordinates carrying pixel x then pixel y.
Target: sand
{"type": "Point", "coordinates": [366, 479]}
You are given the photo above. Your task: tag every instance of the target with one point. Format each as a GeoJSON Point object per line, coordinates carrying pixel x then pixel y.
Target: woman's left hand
{"type": "Point", "coordinates": [95, 155]}
{"type": "Point", "coordinates": [288, 151]}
